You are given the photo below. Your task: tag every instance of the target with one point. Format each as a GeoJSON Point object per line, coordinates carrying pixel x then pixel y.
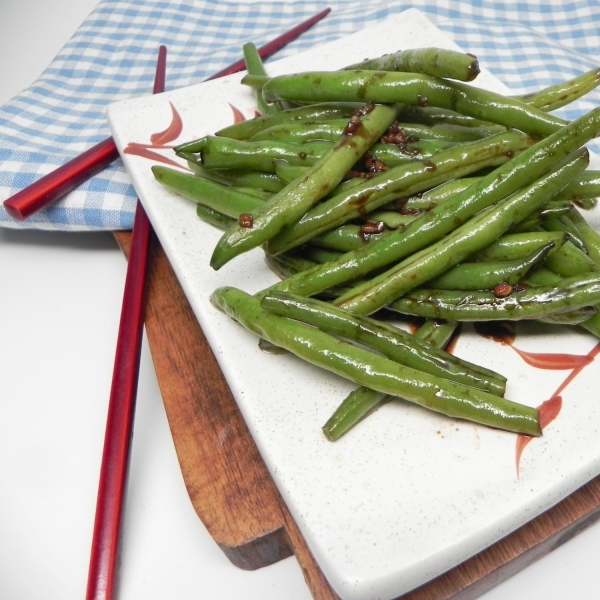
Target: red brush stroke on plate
{"type": "Point", "coordinates": [555, 362]}
{"type": "Point", "coordinates": [139, 150]}
{"type": "Point", "coordinates": [172, 132]}
{"type": "Point", "coordinates": [550, 409]}
{"type": "Point", "coordinates": [238, 117]}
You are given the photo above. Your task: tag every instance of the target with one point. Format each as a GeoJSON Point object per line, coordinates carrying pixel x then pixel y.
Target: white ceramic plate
{"type": "Point", "coordinates": [408, 494]}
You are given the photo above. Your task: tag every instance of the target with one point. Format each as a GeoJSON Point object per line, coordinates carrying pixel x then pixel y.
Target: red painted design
{"type": "Point", "coordinates": [159, 141]}
{"type": "Point", "coordinates": [172, 132]}
{"type": "Point", "coordinates": [550, 409]}
{"type": "Point", "coordinates": [238, 117]}
{"type": "Point", "coordinates": [144, 152]}
{"type": "Point", "coordinates": [554, 362]}
{"type": "Point", "coordinates": [505, 333]}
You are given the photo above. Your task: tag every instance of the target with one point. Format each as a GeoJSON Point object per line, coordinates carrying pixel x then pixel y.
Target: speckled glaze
{"type": "Point", "coordinates": [407, 494]}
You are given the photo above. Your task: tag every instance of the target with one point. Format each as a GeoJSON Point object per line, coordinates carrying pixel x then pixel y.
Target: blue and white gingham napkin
{"type": "Point", "coordinates": [112, 57]}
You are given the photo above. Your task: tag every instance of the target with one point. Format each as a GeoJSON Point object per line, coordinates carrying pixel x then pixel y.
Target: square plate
{"type": "Point", "coordinates": [408, 494]}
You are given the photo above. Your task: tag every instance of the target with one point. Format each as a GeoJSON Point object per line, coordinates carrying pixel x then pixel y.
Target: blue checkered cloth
{"type": "Point", "coordinates": [113, 54]}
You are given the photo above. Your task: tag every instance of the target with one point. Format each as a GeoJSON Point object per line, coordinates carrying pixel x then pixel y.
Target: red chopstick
{"type": "Point", "coordinates": [273, 46]}
{"type": "Point", "coordinates": [67, 177]}
{"type": "Point", "coordinates": [121, 406]}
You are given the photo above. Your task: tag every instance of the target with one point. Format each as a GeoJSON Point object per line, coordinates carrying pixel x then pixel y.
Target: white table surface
{"type": "Point", "coordinates": [60, 299]}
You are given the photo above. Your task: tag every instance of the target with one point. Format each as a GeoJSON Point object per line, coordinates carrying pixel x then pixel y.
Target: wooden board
{"type": "Point", "coordinates": [232, 491]}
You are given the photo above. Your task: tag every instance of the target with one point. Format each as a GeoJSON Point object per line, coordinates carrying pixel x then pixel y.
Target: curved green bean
{"type": "Point", "coordinates": [390, 341]}
{"type": "Point", "coordinates": [377, 372]}
{"type": "Point", "coordinates": [314, 112]}
{"type": "Point", "coordinates": [407, 88]}
{"type": "Point", "coordinates": [362, 401]}
{"type": "Point", "coordinates": [561, 94]}
{"type": "Point", "coordinates": [570, 294]}
{"type": "Point", "coordinates": [440, 220]}
{"type": "Point", "coordinates": [516, 246]}
{"type": "Point", "coordinates": [486, 276]}
{"type": "Point", "coordinates": [216, 196]}
{"type": "Point", "coordinates": [404, 179]}
{"type": "Point", "coordinates": [438, 62]}
{"type": "Point", "coordinates": [288, 205]}
{"type": "Point", "coordinates": [477, 233]}
{"type": "Point", "coordinates": [225, 153]}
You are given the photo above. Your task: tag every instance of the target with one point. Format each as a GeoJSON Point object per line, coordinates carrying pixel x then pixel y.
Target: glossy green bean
{"type": "Point", "coordinates": [477, 233]}
{"type": "Point", "coordinates": [362, 401]}
{"type": "Point", "coordinates": [588, 235]}
{"type": "Point", "coordinates": [570, 260]}
{"type": "Point", "coordinates": [515, 246]}
{"type": "Point", "coordinates": [224, 153]}
{"type": "Point", "coordinates": [407, 88]}
{"type": "Point", "coordinates": [314, 112]}
{"type": "Point", "coordinates": [269, 182]}
{"type": "Point", "coordinates": [403, 179]}
{"type": "Point", "coordinates": [214, 195]}
{"type": "Point", "coordinates": [438, 62]}
{"type": "Point", "coordinates": [255, 66]}
{"type": "Point", "coordinates": [442, 219]}
{"type": "Point", "coordinates": [390, 341]}
{"type": "Point", "coordinates": [561, 94]}
{"type": "Point", "coordinates": [376, 372]}
{"type": "Point", "coordinates": [288, 205]}
{"type": "Point", "coordinates": [570, 294]}
{"type": "Point", "coordinates": [332, 129]}
{"type": "Point", "coordinates": [486, 276]}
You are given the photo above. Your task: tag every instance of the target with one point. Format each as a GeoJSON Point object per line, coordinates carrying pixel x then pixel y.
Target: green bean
{"type": "Point", "coordinates": [437, 62]}
{"type": "Point", "coordinates": [391, 219]}
{"type": "Point", "coordinates": [407, 88]}
{"type": "Point", "coordinates": [331, 130]}
{"type": "Point", "coordinates": [437, 195]}
{"type": "Point", "coordinates": [319, 255]}
{"type": "Point", "coordinates": [390, 341]}
{"type": "Point", "coordinates": [392, 155]}
{"type": "Point", "coordinates": [569, 295]}
{"type": "Point", "coordinates": [213, 217]}
{"type": "Point", "coordinates": [255, 66]}
{"type": "Point", "coordinates": [286, 264]}
{"type": "Point", "coordinates": [288, 205]}
{"type": "Point", "coordinates": [433, 115]}
{"type": "Point", "coordinates": [224, 153]}
{"type": "Point", "coordinates": [486, 276]}
{"type": "Point", "coordinates": [570, 260]}
{"type": "Point", "coordinates": [584, 189]}
{"type": "Point", "coordinates": [376, 372]}
{"type": "Point", "coordinates": [314, 112]}
{"type": "Point", "coordinates": [566, 226]}
{"type": "Point", "coordinates": [286, 172]}
{"type": "Point", "coordinates": [515, 246]}
{"type": "Point", "coordinates": [362, 401]}
{"type": "Point", "coordinates": [219, 197]}
{"type": "Point", "coordinates": [588, 235]}
{"type": "Point", "coordinates": [239, 177]}
{"type": "Point", "coordinates": [438, 333]}
{"type": "Point", "coordinates": [347, 238]}
{"type": "Point", "coordinates": [442, 219]}
{"type": "Point", "coordinates": [303, 131]}
{"type": "Point", "coordinates": [561, 94]}
{"type": "Point", "coordinates": [477, 233]}
{"type": "Point", "coordinates": [551, 211]}
{"type": "Point", "coordinates": [403, 179]}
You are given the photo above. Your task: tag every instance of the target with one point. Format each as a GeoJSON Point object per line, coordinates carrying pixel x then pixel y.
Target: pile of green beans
{"type": "Point", "coordinates": [393, 184]}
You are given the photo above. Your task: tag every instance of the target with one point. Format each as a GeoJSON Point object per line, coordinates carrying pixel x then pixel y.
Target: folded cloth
{"type": "Point", "coordinates": [112, 57]}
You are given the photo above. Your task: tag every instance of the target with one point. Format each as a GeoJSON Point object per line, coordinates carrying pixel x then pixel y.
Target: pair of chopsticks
{"type": "Point", "coordinates": [121, 409]}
